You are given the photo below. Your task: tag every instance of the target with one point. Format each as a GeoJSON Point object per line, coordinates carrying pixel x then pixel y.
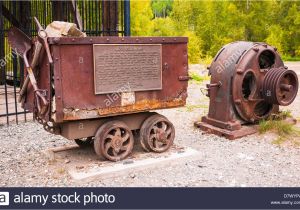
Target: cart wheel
{"type": "Point", "coordinates": [85, 142]}
{"type": "Point", "coordinates": [157, 134]}
{"type": "Point", "coordinates": [114, 141]}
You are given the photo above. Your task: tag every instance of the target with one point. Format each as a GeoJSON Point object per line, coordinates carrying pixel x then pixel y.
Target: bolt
{"type": "Point", "coordinates": [255, 49]}
{"type": "Point", "coordinates": [56, 40]}
{"type": "Point", "coordinates": [275, 48]}
{"type": "Point", "coordinates": [238, 101]}
{"type": "Point", "coordinates": [239, 71]}
{"type": "Point", "coordinates": [208, 67]}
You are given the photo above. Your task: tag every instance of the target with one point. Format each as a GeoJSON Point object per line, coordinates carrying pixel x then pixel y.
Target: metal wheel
{"type": "Point", "coordinates": [157, 134]}
{"type": "Point", "coordinates": [85, 142]}
{"type": "Point", "coordinates": [114, 141]}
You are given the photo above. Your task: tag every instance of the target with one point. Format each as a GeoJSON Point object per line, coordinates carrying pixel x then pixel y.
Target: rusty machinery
{"type": "Point", "coordinates": [248, 83]}
{"type": "Point", "coordinates": [100, 90]}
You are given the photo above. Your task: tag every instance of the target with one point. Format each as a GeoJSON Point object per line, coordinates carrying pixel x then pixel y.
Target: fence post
{"type": "Point", "coordinates": [127, 17]}
{"type": "Point", "coordinates": [2, 72]}
{"type": "Point", "coordinates": [110, 18]}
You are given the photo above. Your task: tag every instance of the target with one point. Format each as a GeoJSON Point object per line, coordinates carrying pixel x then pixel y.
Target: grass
{"type": "Point", "coordinates": [198, 78]}
{"type": "Point", "coordinates": [191, 107]}
{"type": "Point", "coordinates": [206, 60]}
{"type": "Point", "coordinates": [290, 58]}
{"type": "Point", "coordinates": [284, 129]}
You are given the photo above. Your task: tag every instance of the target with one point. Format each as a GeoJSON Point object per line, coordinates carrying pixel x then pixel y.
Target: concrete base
{"type": "Point", "coordinates": [83, 164]}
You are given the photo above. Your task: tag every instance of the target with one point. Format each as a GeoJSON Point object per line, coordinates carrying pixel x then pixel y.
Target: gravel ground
{"type": "Point", "coordinates": [247, 162]}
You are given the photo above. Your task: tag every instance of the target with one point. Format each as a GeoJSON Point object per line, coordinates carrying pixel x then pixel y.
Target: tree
{"type": "Point", "coordinates": [141, 16]}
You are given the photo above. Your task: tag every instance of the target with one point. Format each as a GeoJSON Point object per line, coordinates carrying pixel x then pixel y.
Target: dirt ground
{"type": "Point", "coordinates": [247, 162]}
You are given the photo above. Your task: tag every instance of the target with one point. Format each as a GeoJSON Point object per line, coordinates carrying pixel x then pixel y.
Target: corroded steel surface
{"type": "Point", "coordinates": [114, 141]}
{"type": "Point", "coordinates": [157, 134]}
{"type": "Point", "coordinates": [248, 82]}
{"type": "Point", "coordinates": [280, 86]}
{"type": "Point", "coordinates": [73, 87]}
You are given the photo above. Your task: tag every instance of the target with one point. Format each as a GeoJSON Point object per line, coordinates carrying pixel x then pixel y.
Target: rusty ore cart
{"type": "Point", "coordinates": [100, 90]}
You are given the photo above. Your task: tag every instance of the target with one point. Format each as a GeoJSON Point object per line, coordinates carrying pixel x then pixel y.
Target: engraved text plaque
{"type": "Point", "coordinates": [127, 67]}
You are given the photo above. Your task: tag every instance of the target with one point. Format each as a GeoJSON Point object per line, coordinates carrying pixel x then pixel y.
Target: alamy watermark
{"type": "Point", "coordinates": [111, 98]}
{"type": "Point", "coordinates": [8, 58]}
{"type": "Point", "coordinates": [229, 61]}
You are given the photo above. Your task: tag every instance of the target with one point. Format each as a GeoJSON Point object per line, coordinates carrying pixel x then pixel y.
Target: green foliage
{"type": "Point", "coordinates": [290, 58]}
{"type": "Point", "coordinates": [212, 24]}
{"type": "Point", "coordinates": [161, 8]}
{"type": "Point", "coordinates": [192, 107]}
{"type": "Point", "coordinates": [284, 129]}
{"type": "Point", "coordinates": [163, 27]}
{"type": "Point", "coordinates": [198, 78]}
{"type": "Point", "coordinates": [141, 18]}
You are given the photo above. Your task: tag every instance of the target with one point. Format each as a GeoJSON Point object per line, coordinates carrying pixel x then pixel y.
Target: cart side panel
{"type": "Point", "coordinates": [74, 67]}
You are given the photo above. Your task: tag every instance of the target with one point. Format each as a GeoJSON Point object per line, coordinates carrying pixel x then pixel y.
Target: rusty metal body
{"type": "Point", "coordinates": [248, 83]}
{"type": "Point", "coordinates": [101, 88]}
{"type": "Point", "coordinates": [70, 82]}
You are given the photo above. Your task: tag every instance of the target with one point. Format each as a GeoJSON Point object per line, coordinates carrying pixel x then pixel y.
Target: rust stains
{"type": "Point", "coordinates": [144, 105]}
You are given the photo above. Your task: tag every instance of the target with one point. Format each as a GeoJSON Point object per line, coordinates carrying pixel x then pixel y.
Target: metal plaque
{"type": "Point", "coordinates": [127, 67]}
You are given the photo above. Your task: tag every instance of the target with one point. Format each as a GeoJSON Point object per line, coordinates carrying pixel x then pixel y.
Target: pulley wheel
{"type": "Point", "coordinates": [114, 141]}
{"type": "Point", "coordinates": [157, 134]}
{"type": "Point", "coordinates": [280, 86]}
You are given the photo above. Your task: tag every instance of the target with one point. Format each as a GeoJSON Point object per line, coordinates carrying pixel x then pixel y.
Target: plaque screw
{"type": "Point", "coordinates": [163, 39]}
{"type": "Point", "coordinates": [137, 40]}
{"type": "Point", "coordinates": [107, 39]}
{"type": "Point", "coordinates": [56, 59]}
{"type": "Point", "coordinates": [174, 39]}
{"type": "Point", "coordinates": [58, 97]}
{"type": "Point", "coordinates": [73, 40]}
{"type": "Point", "coordinates": [91, 40]}
{"type": "Point", "coordinates": [122, 39]}
{"type": "Point", "coordinates": [150, 39]}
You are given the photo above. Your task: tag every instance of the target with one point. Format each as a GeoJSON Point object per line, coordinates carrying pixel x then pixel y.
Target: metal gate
{"type": "Point", "coordinates": [95, 18]}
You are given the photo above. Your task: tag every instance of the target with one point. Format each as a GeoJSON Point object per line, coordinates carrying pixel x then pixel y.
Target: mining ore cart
{"type": "Point", "coordinates": [101, 90]}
